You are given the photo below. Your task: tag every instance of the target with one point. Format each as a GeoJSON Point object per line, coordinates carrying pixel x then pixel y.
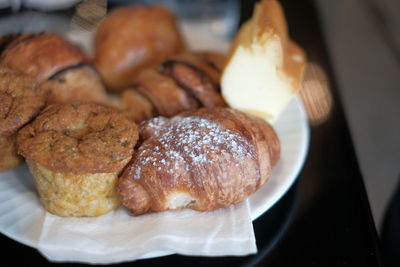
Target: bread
{"type": "Point", "coordinates": [75, 152]}
{"type": "Point", "coordinates": [167, 97]}
{"type": "Point", "coordinates": [197, 77]}
{"type": "Point", "coordinates": [265, 68]}
{"type": "Point", "coordinates": [215, 60]}
{"type": "Point", "coordinates": [204, 160]}
{"type": "Point", "coordinates": [41, 55]}
{"type": "Point", "coordinates": [20, 101]}
{"type": "Point", "coordinates": [78, 83]}
{"type": "Point", "coordinates": [58, 64]}
{"type": "Point", "coordinates": [136, 106]}
{"type": "Point", "coordinates": [132, 38]}
{"type": "Point", "coordinates": [9, 157]}
{"type": "Point", "coordinates": [185, 81]}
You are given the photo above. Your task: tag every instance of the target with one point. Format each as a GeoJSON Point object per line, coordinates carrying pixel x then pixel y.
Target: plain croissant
{"type": "Point", "coordinates": [204, 160]}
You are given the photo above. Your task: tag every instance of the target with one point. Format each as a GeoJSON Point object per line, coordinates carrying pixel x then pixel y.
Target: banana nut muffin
{"type": "Point", "coordinates": [75, 152]}
{"type": "Point", "coordinates": [19, 103]}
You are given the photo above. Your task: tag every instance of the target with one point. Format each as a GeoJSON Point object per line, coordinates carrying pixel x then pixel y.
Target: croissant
{"type": "Point", "coordinates": [203, 160]}
{"type": "Point", "coordinates": [215, 60]}
{"type": "Point", "coordinates": [61, 67]}
{"type": "Point", "coordinates": [136, 106]}
{"type": "Point", "coordinates": [168, 98]}
{"type": "Point", "coordinates": [186, 81]}
{"type": "Point", "coordinates": [195, 75]}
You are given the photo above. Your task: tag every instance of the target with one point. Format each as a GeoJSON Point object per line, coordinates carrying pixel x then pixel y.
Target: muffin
{"type": "Point", "coordinates": [19, 103]}
{"type": "Point", "coordinates": [75, 152]}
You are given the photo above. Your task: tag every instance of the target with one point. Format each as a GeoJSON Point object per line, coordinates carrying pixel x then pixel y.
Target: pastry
{"type": "Point", "coordinates": [19, 103]}
{"type": "Point", "coordinates": [215, 60]}
{"type": "Point", "coordinates": [185, 81]}
{"type": "Point", "coordinates": [265, 68]}
{"type": "Point", "coordinates": [79, 82]}
{"type": "Point", "coordinates": [132, 38]}
{"type": "Point", "coordinates": [61, 66]}
{"type": "Point", "coordinates": [204, 160]}
{"type": "Point", "coordinates": [41, 55]}
{"type": "Point", "coordinates": [197, 77]}
{"type": "Point", "coordinates": [166, 96]}
{"type": "Point", "coordinates": [136, 106]}
{"type": "Point", "coordinates": [75, 152]}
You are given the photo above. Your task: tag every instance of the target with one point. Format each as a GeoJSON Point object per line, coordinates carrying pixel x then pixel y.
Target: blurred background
{"type": "Point", "coordinates": [363, 42]}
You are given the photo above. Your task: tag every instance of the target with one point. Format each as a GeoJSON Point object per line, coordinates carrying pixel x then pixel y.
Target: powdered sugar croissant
{"type": "Point", "coordinates": [204, 160]}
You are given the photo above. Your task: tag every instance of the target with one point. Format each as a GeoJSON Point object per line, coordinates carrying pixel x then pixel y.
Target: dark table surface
{"type": "Point", "coordinates": [324, 219]}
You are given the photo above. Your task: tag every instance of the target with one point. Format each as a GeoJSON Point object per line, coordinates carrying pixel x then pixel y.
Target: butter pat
{"type": "Point", "coordinates": [265, 68]}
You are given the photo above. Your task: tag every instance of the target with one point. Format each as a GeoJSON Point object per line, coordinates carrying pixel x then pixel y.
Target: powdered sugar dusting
{"type": "Point", "coordinates": [191, 141]}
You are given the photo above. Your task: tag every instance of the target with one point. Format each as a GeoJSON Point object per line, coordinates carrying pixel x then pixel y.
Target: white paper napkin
{"type": "Point", "coordinates": [118, 237]}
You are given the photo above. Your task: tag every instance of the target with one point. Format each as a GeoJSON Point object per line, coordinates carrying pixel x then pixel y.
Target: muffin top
{"type": "Point", "coordinates": [79, 138]}
{"type": "Point", "coordinates": [19, 101]}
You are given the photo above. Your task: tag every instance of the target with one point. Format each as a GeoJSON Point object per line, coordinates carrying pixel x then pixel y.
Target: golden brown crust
{"type": "Point", "coordinates": [79, 83]}
{"type": "Point", "coordinates": [7, 42]}
{"type": "Point", "coordinates": [271, 138]}
{"type": "Point", "coordinates": [204, 159]}
{"type": "Point", "coordinates": [196, 77]}
{"type": "Point", "coordinates": [166, 96]}
{"type": "Point", "coordinates": [185, 81]}
{"type": "Point", "coordinates": [204, 62]}
{"type": "Point", "coordinates": [136, 106]}
{"type": "Point", "coordinates": [271, 20]}
{"type": "Point", "coordinates": [41, 55]}
{"type": "Point", "coordinates": [132, 38]}
{"type": "Point", "coordinates": [151, 127]}
{"type": "Point", "coordinates": [19, 101]}
{"type": "Point", "coordinates": [268, 21]}
{"type": "Point", "coordinates": [9, 157]}
{"type": "Point", "coordinates": [79, 138]}
{"type": "Point", "coordinates": [216, 60]}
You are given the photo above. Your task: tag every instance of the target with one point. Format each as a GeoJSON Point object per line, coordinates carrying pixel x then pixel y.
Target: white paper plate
{"type": "Point", "coordinates": [21, 214]}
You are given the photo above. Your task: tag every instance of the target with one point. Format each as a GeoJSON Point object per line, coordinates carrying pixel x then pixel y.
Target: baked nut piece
{"type": "Point", "coordinates": [19, 103]}
{"type": "Point", "coordinates": [75, 152]}
{"type": "Point", "coordinates": [60, 65]}
{"type": "Point", "coordinates": [132, 38]}
{"type": "Point", "coordinates": [265, 68]}
{"type": "Point", "coordinates": [204, 160]}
